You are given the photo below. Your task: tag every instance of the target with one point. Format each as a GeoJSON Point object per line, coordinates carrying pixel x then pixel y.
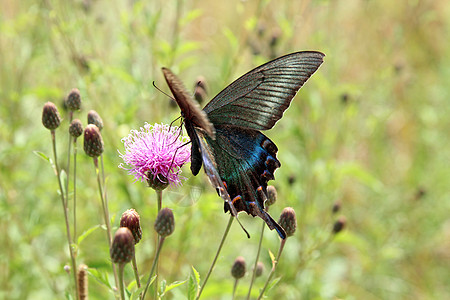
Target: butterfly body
{"type": "Point", "coordinates": [226, 139]}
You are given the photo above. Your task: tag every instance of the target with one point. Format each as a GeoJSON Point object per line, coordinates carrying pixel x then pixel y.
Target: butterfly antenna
{"type": "Point", "coordinates": [174, 155]}
{"type": "Point", "coordinates": [154, 85]}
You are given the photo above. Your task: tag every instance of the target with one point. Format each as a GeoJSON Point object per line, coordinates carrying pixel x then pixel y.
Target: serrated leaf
{"type": "Point", "coordinates": [197, 275]}
{"type": "Point", "coordinates": [86, 234]}
{"type": "Point", "coordinates": [273, 283]}
{"type": "Point", "coordinates": [136, 293]}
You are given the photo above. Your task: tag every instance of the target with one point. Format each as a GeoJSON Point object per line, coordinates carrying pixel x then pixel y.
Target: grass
{"type": "Point", "coordinates": [370, 130]}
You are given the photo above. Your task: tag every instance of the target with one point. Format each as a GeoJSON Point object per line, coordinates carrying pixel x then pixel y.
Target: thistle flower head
{"type": "Point", "coordinates": [122, 249]}
{"type": "Point", "coordinates": [73, 100]}
{"type": "Point", "coordinates": [238, 269]}
{"type": "Point", "coordinates": [94, 118]}
{"type": "Point", "coordinates": [93, 142]}
{"type": "Point", "coordinates": [339, 225]}
{"type": "Point", "coordinates": [76, 128]}
{"type": "Point", "coordinates": [288, 220]}
{"type": "Point", "coordinates": [271, 195]}
{"type": "Point", "coordinates": [131, 220]}
{"type": "Point", "coordinates": [50, 116]}
{"type": "Point", "coordinates": [165, 222]}
{"type": "Point", "coordinates": [259, 269]}
{"type": "Point", "coordinates": [155, 154]}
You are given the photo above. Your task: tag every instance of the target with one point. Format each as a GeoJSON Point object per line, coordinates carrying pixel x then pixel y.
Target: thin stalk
{"type": "Point", "coordinates": [234, 288]}
{"type": "Point", "coordinates": [158, 251]}
{"type": "Point", "coordinates": [66, 217]}
{"type": "Point", "coordinates": [159, 200]}
{"type": "Point", "coordinates": [75, 188]}
{"type": "Point", "coordinates": [272, 271]}
{"type": "Point", "coordinates": [105, 214]}
{"type": "Point", "coordinates": [216, 257]}
{"type": "Point", "coordinates": [68, 161]}
{"type": "Point", "coordinates": [136, 273]}
{"type": "Point", "coordinates": [256, 260]}
{"type": "Point", "coordinates": [121, 286]}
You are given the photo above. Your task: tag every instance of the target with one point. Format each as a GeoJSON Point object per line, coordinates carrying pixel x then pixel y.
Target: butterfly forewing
{"type": "Point", "coordinates": [258, 99]}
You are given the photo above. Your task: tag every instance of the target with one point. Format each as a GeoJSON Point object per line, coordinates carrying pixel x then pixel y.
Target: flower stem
{"type": "Point", "coordinates": [161, 241]}
{"type": "Point", "coordinates": [75, 188]}
{"type": "Point", "coordinates": [234, 288]}
{"type": "Point", "coordinates": [159, 200]}
{"type": "Point", "coordinates": [104, 201]}
{"type": "Point", "coordinates": [272, 271]}
{"type": "Point", "coordinates": [216, 257]}
{"type": "Point", "coordinates": [121, 286]}
{"type": "Point", "coordinates": [256, 260]}
{"type": "Point", "coordinates": [66, 217]}
{"type": "Point", "coordinates": [136, 273]}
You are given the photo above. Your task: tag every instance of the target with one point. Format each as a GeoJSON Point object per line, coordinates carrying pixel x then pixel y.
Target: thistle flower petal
{"type": "Point", "coordinates": [155, 152]}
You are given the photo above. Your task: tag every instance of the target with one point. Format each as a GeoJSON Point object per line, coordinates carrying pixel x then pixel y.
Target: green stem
{"type": "Point", "coordinates": [161, 241]}
{"type": "Point", "coordinates": [105, 214]}
{"type": "Point", "coordinates": [68, 161]}
{"type": "Point", "coordinates": [75, 188]}
{"type": "Point", "coordinates": [121, 285]}
{"type": "Point", "coordinates": [66, 217]}
{"type": "Point", "coordinates": [136, 273]}
{"type": "Point", "coordinates": [159, 200]}
{"type": "Point", "coordinates": [256, 260]}
{"type": "Point", "coordinates": [216, 257]}
{"type": "Point", "coordinates": [272, 271]}
{"type": "Point", "coordinates": [234, 288]}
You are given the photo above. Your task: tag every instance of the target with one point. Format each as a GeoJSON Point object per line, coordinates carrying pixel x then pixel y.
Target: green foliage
{"type": "Point", "coordinates": [369, 129]}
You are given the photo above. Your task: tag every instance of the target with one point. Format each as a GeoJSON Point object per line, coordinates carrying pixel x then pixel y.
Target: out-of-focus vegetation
{"type": "Point", "coordinates": [370, 130]}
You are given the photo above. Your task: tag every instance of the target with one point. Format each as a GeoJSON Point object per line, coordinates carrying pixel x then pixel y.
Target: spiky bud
{"type": "Point", "coordinates": [82, 278]}
{"type": "Point", "coordinates": [259, 269]}
{"type": "Point", "coordinates": [50, 116]}
{"type": "Point", "coordinates": [131, 220]}
{"type": "Point", "coordinates": [94, 118]}
{"type": "Point", "coordinates": [165, 222]}
{"type": "Point", "coordinates": [339, 225]}
{"type": "Point", "coordinates": [238, 269]}
{"type": "Point", "coordinates": [271, 195]}
{"type": "Point", "coordinates": [73, 100]}
{"type": "Point", "coordinates": [158, 182]}
{"type": "Point", "coordinates": [76, 128]}
{"type": "Point", "coordinates": [122, 249]}
{"type": "Point", "coordinates": [288, 220]}
{"type": "Point", "coordinates": [93, 142]}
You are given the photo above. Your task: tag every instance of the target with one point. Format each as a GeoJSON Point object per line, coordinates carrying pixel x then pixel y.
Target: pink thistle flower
{"type": "Point", "coordinates": [156, 151]}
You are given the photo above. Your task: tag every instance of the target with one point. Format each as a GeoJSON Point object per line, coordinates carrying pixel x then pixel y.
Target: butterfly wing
{"type": "Point", "coordinates": [258, 99]}
{"type": "Point", "coordinates": [229, 170]}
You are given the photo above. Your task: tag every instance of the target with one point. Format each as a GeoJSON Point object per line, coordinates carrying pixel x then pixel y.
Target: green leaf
{"type": "Point", "coordinates": [193, 284]}
{"type": "Point", "coordinates": [172, 286]}
{"type": "Point", "coordinates": [100, 276]}
{"type": "Point", "coordinates": [43, 156]}
{"type": "Point", "coordinates": [63, 177]}
{"type": "Point", "coordinates": [86, 234]}
{"type": "Point", "coordinates": [272, 257]}
{"type": "Point", "coordinates": [136, 293]}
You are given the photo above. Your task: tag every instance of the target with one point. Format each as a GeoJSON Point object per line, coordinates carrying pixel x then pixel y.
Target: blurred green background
{"type": "Point", "coordinates": [369, 130]}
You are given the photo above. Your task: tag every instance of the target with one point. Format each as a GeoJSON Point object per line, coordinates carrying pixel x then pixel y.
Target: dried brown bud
{"type": "Point", "coordinates": [165, 222]}
{"type": "Point", "coordinates": [339, 225]}
{"type": "Point", "coordinates": [259, 269]}
{"type": "Point", "coordinates": [158, 182]}
{"type": "Point", "coordinates": [336, 206]}
{"type": "Point", "coordinates": [93, 142]}
{"type": "Point", "coordinates": [131, 220]}
{"type": "Point", "coordinates": [238, 269]}
{"type": "Point", "coordinates": [122, 249]}
{"type": "Point", "coordinates": [73, 101]}
{"type": "Point", "coordinates": [50, 116]}
{"type": "Point", "coordinates": [94, 118]}
{"type": "Point", "coordinates": [288, 220]}
{"type": "Point", "coordinates": [271, 195]}
{"type": "Point", "coordinates": [76, 128]}
{"type": "Point", "coordinates": [82, 277]}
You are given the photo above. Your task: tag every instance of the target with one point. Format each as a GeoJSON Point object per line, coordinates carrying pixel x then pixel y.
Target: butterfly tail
{"type": "Point", "coordinates": [272, 224]}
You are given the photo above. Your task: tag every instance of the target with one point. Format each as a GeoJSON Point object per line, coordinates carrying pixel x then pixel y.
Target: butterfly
{"type": "Point", "coordinates": [238, 159]}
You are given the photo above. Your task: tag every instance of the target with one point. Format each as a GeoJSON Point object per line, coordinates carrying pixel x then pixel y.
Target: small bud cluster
{"type": "Point", "coordinates": [239, 268]}
{"type": "Point", "coordinates": [165, 222]}
{"type": "Point", "coordinates": [122, 249]}
{"type": "Point", "coordinates": [131, 220]}
{"type": "Point", "coordinates": [288, 220]}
